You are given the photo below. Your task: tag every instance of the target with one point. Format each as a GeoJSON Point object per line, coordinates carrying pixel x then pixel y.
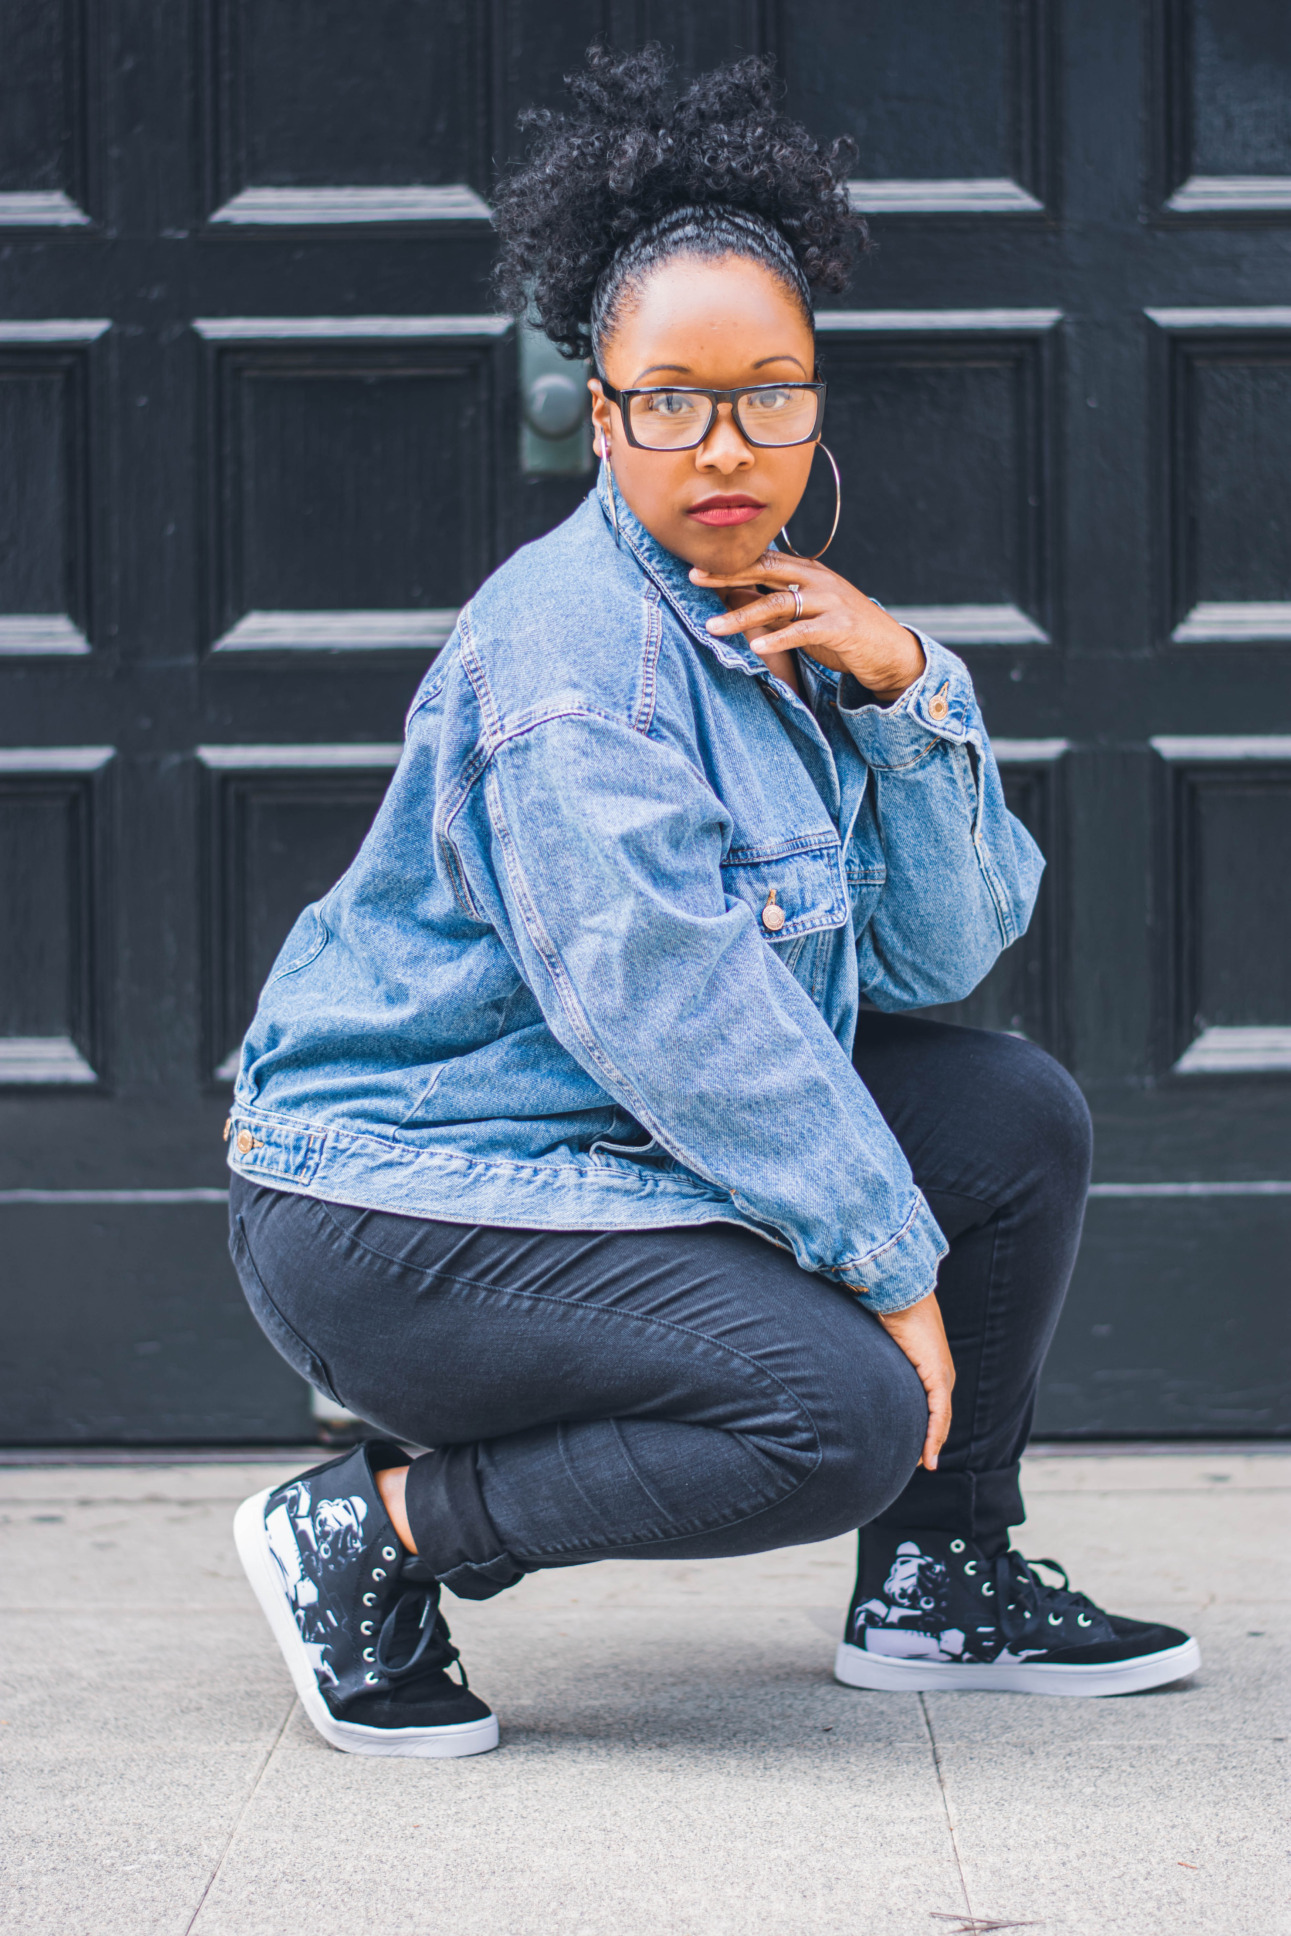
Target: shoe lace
{"type": "Point", "coordinates": [434, 1649]}
{"type": "Point", "coordinates": [1028, 1604]}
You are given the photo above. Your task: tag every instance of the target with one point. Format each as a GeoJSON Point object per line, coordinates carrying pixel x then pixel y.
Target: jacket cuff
{"type": "Point", "coordinates": [901, 1271]}
{"type": "Point", "coordinates": [941, 704]}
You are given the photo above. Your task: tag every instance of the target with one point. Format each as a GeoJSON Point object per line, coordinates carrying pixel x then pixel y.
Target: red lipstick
{"type": "Point", "coordinates": [723, 508]}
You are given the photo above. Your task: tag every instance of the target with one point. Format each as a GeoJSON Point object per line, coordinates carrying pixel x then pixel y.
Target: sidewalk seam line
{"type": "Point", "coordinates": [945, 1802]}
{"type": "Point", "coordinates": [255, 1789]}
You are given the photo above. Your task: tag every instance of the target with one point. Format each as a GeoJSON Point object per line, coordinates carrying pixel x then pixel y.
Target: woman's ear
{"type": "Point", "coordinates": [601, 417]}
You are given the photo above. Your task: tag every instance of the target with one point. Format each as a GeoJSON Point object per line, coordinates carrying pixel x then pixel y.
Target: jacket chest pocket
{"type": "Point", "coordinates": [792, 891]}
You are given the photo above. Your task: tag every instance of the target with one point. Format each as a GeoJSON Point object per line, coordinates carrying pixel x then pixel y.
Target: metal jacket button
{"type": "Point", "coordinates": [772, 915]}
{"type": "Point", "coordinates": [940, 705]}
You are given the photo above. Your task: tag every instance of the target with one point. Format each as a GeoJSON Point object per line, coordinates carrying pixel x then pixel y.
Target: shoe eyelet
{"type": "Point", "coordinates": [388, 1553]}
{"type": "Point", "coordinates": [987, 1587]}
{"type": "Point", "coordinates": [366, 1626]}
{"type": "Point", "coordinates": [1055, 1619]}
{"type": "Point", "coordinates": [970, 1567]}
{"type": "Point", "coordinates": [378, 1572]}
{"type": "Point", "coordinates": [369, 1653]}
{"type": "Point", "coordinates": [369, 1599]}
{"type": "Point", "coordinates": [372, 1679]}
{"type": "Point", "coordinates": [1083, 1620]}
{"type": "Point", "coordinates": [956, 1545]}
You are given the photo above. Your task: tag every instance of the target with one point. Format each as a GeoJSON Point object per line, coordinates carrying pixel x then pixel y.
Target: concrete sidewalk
{"type": "Point", "coordinates": [676, 1759]}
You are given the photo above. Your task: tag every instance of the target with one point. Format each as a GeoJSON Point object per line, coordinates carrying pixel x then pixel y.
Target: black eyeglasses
{"type": "Point", "coordinates": [770, 415]}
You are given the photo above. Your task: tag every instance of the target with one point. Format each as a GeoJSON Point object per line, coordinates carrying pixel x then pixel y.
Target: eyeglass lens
{"type": "Point", "coordinates": [676, 419]}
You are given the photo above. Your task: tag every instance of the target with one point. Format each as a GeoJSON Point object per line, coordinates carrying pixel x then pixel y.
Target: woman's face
{"type": "Point", "coordinates": [715, 325]}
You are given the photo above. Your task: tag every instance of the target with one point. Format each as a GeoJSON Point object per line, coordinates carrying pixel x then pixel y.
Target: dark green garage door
{"type": "Point", "coordinates": [261, 436]}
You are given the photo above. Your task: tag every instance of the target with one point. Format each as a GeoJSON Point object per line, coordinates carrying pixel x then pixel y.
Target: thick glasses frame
{"type": "Point", "coordinates": [626, 398]}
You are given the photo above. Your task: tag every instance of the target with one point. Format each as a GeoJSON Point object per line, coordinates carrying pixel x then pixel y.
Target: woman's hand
{"type": "Point", "coordinates": [922, 1336]}
{"type": "Point", "coordinates": [839, 626]}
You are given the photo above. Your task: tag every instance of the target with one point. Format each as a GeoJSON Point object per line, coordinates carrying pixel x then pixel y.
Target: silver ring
{"type": "Point", "coordinates": [797, 601]}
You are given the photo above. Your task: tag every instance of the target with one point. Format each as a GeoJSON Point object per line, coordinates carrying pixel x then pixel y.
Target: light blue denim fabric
{"type": "Point", "coordinates": [543, 995]}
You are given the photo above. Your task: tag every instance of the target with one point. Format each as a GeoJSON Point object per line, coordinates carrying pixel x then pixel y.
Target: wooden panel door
{"type": "Point", "coordinates": [263, 435]}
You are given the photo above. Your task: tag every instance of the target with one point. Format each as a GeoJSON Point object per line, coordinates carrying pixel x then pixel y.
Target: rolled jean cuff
{"type": "Point", "coordinates": [980, 1506]}
{"type": "Point", "coordinates": [450, 1528]}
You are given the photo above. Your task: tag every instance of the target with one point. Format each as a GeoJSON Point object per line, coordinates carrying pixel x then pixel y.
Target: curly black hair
{"type": "Point", "coordinates": [637, 172]}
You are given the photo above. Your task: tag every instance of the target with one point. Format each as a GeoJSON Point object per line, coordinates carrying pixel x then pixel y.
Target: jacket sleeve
{"type": "Point", "coordinates": [596, 853]}
{"type": "Point", "coordinates": [960, 872]}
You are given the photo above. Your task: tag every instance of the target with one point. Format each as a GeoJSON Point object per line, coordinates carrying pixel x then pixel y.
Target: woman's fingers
{"type": "Point", "coordinates": [938, 1391]}
{"type": "Point", "coordinates": [768, 610]}
{"type": "Point", "coordinates": [919, 1332]}
{"type": "Point", "coordinates": [808, 635]}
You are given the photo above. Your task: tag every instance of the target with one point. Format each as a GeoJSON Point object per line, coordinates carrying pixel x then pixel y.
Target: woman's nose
{"type": "Point", "coordinates": [724, 449]}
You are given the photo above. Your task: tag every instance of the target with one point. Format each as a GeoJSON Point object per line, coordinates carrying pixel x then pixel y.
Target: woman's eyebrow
{"type": "Point", "coordinates": [683, 369]}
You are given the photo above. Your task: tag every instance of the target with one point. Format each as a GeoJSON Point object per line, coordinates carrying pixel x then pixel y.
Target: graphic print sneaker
{"type": "Point", "coordinates": [929, 1611]}
{"type": "Point", "coordinates": [356, 1615]}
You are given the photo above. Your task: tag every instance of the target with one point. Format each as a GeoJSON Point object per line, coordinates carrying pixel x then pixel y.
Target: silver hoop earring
{"type": "Point", "coordinates": [838, 508]}
{"type": "Point", "coordinates": [609, 478]}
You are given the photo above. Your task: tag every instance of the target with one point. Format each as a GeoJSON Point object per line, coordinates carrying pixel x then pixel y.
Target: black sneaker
{"type": "Point", "coordinates": [356, 1615]}
{"type": "Point", "coordinates": [929, 1611]}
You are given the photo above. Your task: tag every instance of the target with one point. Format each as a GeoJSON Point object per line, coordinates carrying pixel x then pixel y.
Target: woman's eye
{"type": "Point", "coordinates": [672, 403]}
{"type": "Point", "coordinates": [769, 399]}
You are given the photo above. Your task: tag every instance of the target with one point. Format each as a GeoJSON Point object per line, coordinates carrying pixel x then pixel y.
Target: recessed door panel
{"type": "Point", "coordinates": [278, 838]}
{"type": "Point", "coordinates": [1230, 397]}
{"type": "Point", "coordinates": [350, 491]}
{"type": "Point", "coordinates": [319, 93]}
{"type": "Point", "coordinates": [50, 963]}
{"type": "Point", "coordinates": [931, 92]}
{"type": "Point", "coordinates": [1229, 820]}
{"type": "Point", "coordinates": [940, 439]}
{"type": "Point", "coordinates": [42, 107]}
{"type": "Point", "coordinates": [44, 495]}
{"type": "Point", "coordinates": [1239, 110]}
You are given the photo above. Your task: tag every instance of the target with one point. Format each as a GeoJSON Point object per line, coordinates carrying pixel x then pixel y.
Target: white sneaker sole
{"type": "Point", "coordinates": [857, 1668]}
{"type": "Point", "coordinates": [460, 1738]}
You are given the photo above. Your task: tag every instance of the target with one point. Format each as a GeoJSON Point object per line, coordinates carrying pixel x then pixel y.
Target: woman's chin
{"type": "Point", "coordinates": [720, 548]}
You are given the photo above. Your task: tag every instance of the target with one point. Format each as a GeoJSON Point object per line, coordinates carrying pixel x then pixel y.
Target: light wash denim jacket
{"type": "Point", "coordinates": [544, 995]}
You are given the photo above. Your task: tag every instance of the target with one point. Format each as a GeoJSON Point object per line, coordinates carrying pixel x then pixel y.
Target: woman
{"type": "Point", "coordinates": [580, 1134]}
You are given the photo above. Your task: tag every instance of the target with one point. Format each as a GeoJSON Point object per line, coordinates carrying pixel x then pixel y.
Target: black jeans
{"type": "Point", "coordinates": [693, 1392]}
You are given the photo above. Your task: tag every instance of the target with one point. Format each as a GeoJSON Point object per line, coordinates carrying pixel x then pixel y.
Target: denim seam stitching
{"type": "Point", "coordinates": [511, 1165]}
{"type": "Point", "coordinates": [644, 715]}
{"type": "Point", "coordinates": [474, 671]}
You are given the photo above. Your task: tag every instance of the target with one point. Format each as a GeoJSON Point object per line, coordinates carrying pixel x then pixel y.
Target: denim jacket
{"type": "Point", "coordinates": [547, 993]}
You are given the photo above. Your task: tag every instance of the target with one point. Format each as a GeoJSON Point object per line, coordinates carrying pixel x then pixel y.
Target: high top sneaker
{"type": "Point", "coordinates": [356, 1615]}
{"type": "Point", "coordinates": [930, 1610]}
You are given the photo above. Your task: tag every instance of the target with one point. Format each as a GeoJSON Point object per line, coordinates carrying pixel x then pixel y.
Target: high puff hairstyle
{"type": "Point", "coordinates": [635, 174]}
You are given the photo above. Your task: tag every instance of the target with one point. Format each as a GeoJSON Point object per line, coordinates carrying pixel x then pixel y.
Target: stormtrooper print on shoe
{"type": "Point", "coordinates": [356, 1615]}
{"type": "Point", "coordinates": [930, 1610]}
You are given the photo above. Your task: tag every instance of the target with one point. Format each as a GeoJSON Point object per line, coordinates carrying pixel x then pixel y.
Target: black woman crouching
{"type": "Point", "coordinates": [581, 1133]}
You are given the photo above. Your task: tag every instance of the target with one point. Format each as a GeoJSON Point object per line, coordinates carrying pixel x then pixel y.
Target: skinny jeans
{"type": "Point", "coordinates": [693, 1392]}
